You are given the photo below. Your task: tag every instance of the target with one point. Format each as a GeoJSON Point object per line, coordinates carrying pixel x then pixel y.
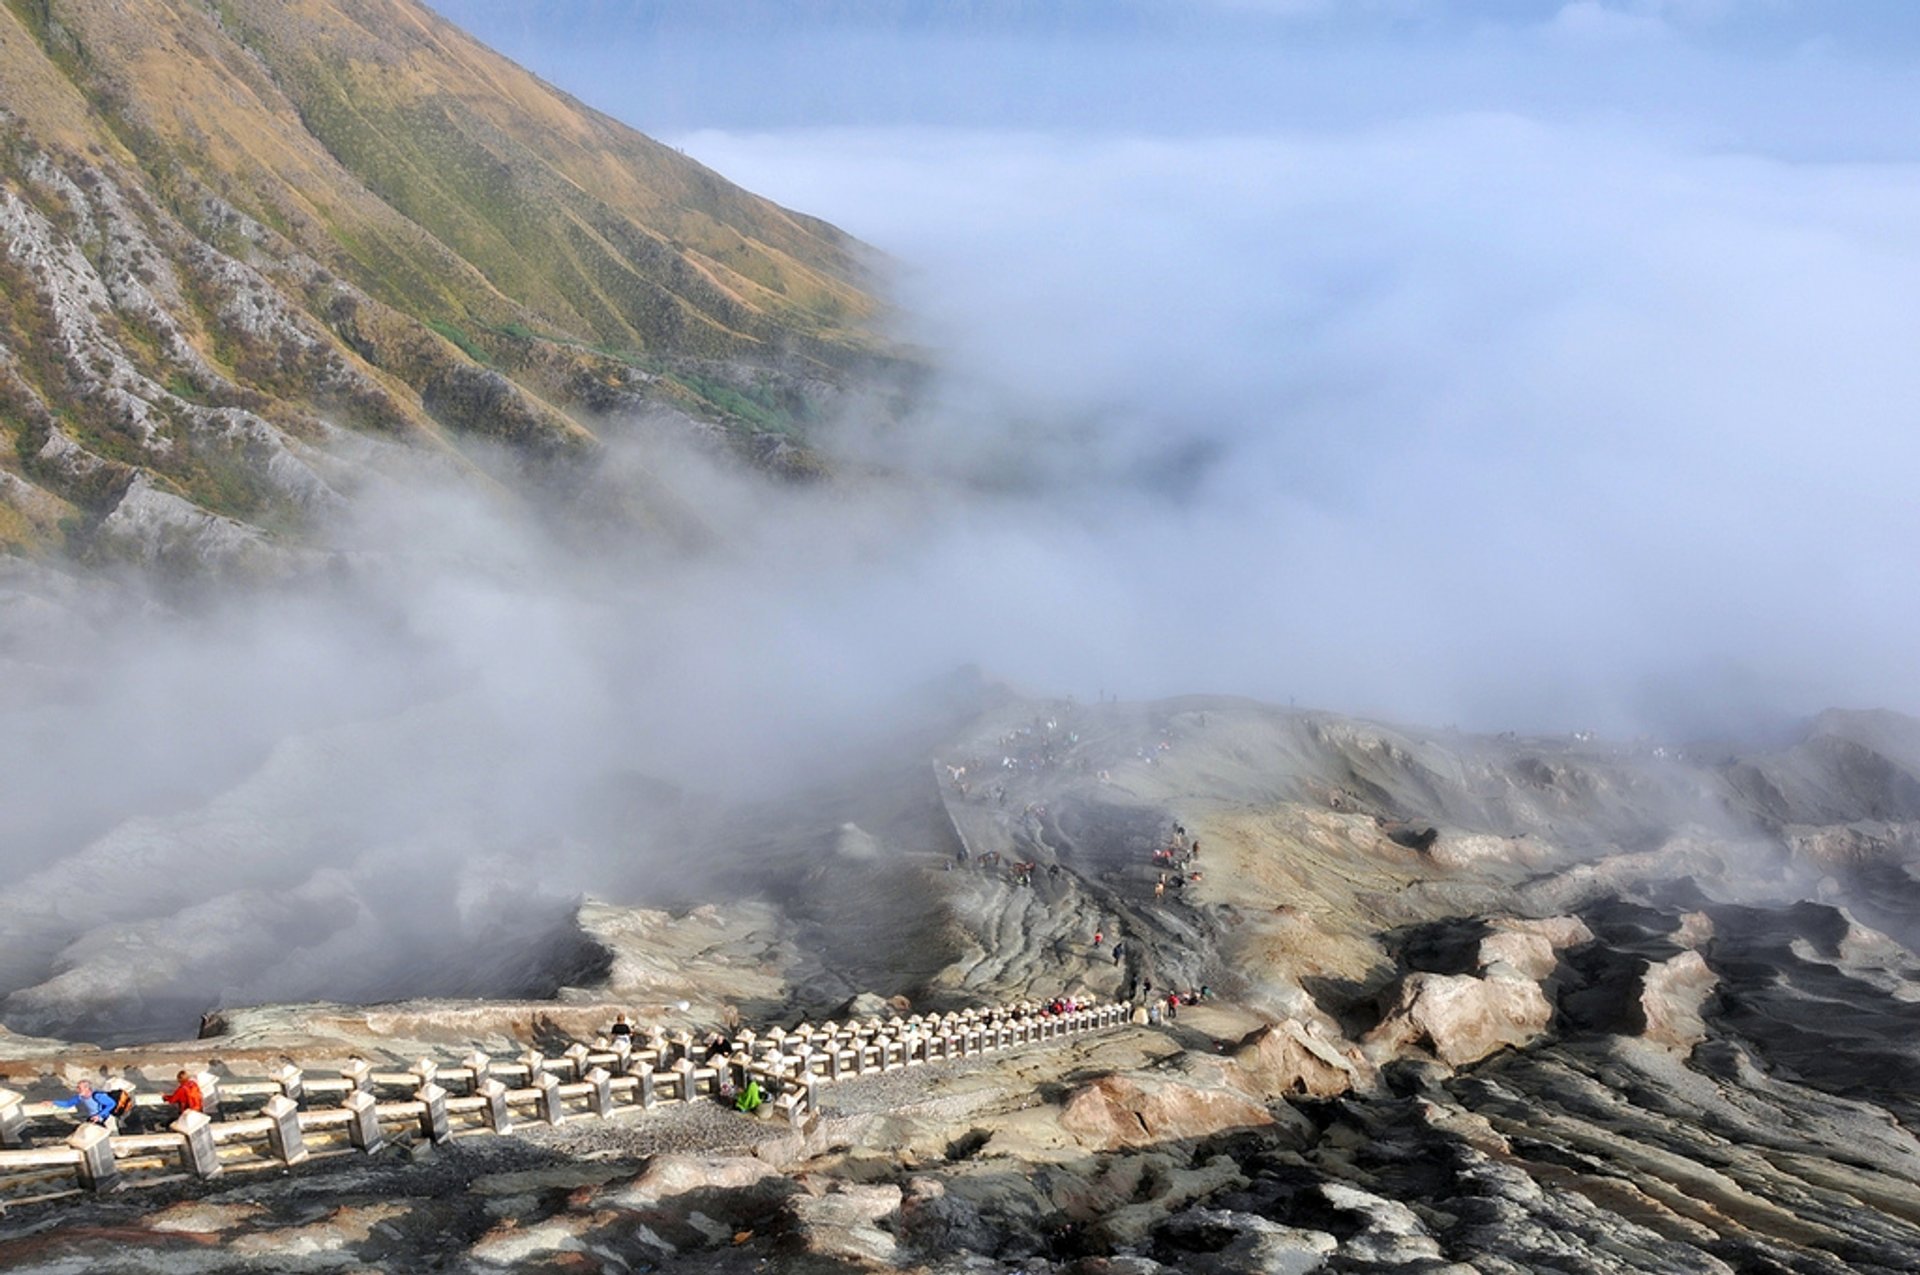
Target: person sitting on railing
{"type": "Point", "coordinates": [94, 1106]}
{"type": "Point", "coordinates": [186, 1094]}
{"type": "Point", "coordinates": [621, 1027]}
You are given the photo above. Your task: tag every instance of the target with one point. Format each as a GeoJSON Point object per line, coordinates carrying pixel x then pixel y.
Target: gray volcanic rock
{"type": "Point", "coordinates": [1654, 1021]}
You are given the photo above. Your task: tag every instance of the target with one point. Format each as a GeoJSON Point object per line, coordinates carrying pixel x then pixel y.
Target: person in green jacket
{"type": "Point", "coordinates": [750, 1098]}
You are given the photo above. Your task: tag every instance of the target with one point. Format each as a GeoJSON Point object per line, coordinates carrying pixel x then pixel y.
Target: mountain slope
{"type": "Point", "coordinates": [246, 245]}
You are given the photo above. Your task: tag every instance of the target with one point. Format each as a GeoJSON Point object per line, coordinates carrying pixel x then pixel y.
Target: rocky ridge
{"type": "Point", "coordinates": [1608, 1011]}
{"type": "Point", "coordinates": [257, 254]}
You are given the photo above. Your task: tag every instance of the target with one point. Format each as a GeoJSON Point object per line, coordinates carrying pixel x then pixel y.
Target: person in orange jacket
{"type": "Point", "coordinates": [186, 1094]}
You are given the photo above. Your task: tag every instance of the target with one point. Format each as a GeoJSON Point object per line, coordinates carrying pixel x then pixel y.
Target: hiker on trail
{"type": "Point", "coordinates": [1160, 887]}
{"type": "Point", "coordinates": [1173, 1005]}
{"type": "Point", "coordinates": [1098, 937]}
{"type": "Point", "coordinates": [94, 1106]}
{"type": "Point", "coordinates": [1119, 953]}
{"type": "Point", "coordinates": [621, 1027]}
{"type": "Point", "coordinates": [186, 1094]}
{"type": "Point", "coordinates": [750, 1098]}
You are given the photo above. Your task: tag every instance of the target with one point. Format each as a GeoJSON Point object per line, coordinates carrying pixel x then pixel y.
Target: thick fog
{"type": "Point", "coordinates": [1571, 395]}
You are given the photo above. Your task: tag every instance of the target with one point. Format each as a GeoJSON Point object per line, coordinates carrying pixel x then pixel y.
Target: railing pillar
{"type": "Point", "coordinates": [363, 1129]}
{"type": "Point", "coordinates": [576, 1056]}
{"type": "Point", "coordinates": [622, 1055]}
{"type": "Point", "coordinates": [13, 1119]}
{"type": "Point", "coordinates": [209, 1093]}
{"type": "Point", "coordinates": [283, 1135]}
{"type": "Point", "coordinates": [602, 1095]}
{"type": "Point", "coordinates": [549, 1105]}
{"type": "Point", "coordinates": [358, 1073]}
{"type": "Point", "coordinates": [423, 1071]}
{"type": "Point", "coordinates": [433, 1113]}
{"type": "Point", "coordinates": [535, 1064]}
{"type": "Point", "coordinates": [98, 1172]}
{"type": "Point", "coordinates": [198, 1155]}
{"type": "Point", "coordinates": [478, 1064]}
{"type": "Point", "coordinates": [496, 1113]}
{"type": "Point", "coordinates": [648, 1096]}
{"type": "Point", "coordinates": [683, 1067]}
{"type": "Point", "coordinates": [291, 1080]}
{"type": "Point", "coordinates": [737, 1068]}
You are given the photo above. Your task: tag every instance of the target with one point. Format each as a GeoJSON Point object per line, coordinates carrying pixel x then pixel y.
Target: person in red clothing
{"type": "Point", "coordinates": [186, 1094]}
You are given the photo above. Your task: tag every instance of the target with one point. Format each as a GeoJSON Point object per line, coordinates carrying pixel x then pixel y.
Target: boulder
{"type": "Point", "coordinates": [1527, 955]}
{"type": "Point", "coordinates": [694, 1202]}
{"type": "Point", "coordinates": [669, 1176]}
{"type": "Point", "coordinates": [1125, 1111]}
{"type": "Point", "coordinates": [843, 1223]}
{"type": "Point", "coordinates": [1461, 1018]}
{"type": "Point", "coordinates": [1223, 1242]}
{"type": "Point", "coordinates": [1671, 995]}
{"type": "Point", "coordinates": [1288, 1059]}
{"type": "Point", "coordinates": [1558, 931]}
{"type": "Point", "coordinates": [866, 1005]}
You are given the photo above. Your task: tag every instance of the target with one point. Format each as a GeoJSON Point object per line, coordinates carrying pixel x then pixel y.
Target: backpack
{"type": "Point", "coordinates": [122, 1102]}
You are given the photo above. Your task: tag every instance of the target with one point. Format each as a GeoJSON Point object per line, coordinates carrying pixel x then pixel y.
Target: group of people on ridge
{"type": "Point", "coordinates": [109, 1108]}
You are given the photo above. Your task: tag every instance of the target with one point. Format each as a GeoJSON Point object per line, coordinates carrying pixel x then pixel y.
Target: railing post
{"type": "Point", "coordinates": [209, 1093]}
{"type": "Point", "coordinates": [794, 1103]}
{"type": "Point", "coordinates": [622, 1055]}
{"type": "Point", "coordinates": [648, 1096]}
{"type": "Point", "coordinates": [602, 1081]}
{"type": "Point", "coordinates": [498, 1116]}
{"type": "Point", "coordinates": [290, 1079]}
{"type": "Point", "coordinates": [576, 1057]}
{"type": "Point", "coordinates": [477, 1063]}
{"type": "Point", "coordinates": [98, 1172]}
{"type": "Point", "coordinates": [198, 1155]}
{"type": "Point", "coordinates": [535, 1065]}
{"type": "Point", "coordinates": [13, 1119]}
{"type": "Point", "coordinates": [358, 1073]}
{"type": "Point", "coordinates": [683, 1067]}
{"type": "Point", "coordinates": [737, 1068]}
{"type": "Point", "coordinates": [363, 1129]}
{"type": "Point", "coordinates": [433, 1113]}
{"type": "Point", "coordinates": [833, 1060]}
{"type": "Point", "coordinates": [423, 1072]}
{"type": "Point", "coordinates": [283, 1135]}
{"type": "Point", "coordinates": [549, 1106]}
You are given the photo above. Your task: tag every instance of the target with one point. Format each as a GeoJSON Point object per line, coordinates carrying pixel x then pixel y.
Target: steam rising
{"type": "Point", "coordinates": [1506, 419]}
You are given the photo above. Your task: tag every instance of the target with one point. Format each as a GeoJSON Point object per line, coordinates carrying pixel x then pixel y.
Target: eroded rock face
{"type": "Point", "coordinates": [1462, 1018]}
{"type": "Point", "coordinates": [1671, 996]}
{"type": "Point", "coordinates": [848, 1222]}
{"type": "Point", "coordinates": [1289, 1059]}
{"type": "Point", "coordinates": [1117, 1111]}
{"type": "Point", "coordinates": [1224, 1242]}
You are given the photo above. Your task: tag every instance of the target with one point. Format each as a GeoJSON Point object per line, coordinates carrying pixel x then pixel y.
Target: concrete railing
{"type": "Point", "coordinates": [301, 1116]}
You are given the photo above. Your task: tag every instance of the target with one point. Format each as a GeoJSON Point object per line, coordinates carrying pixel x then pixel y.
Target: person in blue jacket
{"type": "Point", "coordinates": [95, 1106]}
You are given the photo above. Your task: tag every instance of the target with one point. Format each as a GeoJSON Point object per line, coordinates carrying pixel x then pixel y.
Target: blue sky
{"type": "Point", "coordinates": [1787, 75]}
